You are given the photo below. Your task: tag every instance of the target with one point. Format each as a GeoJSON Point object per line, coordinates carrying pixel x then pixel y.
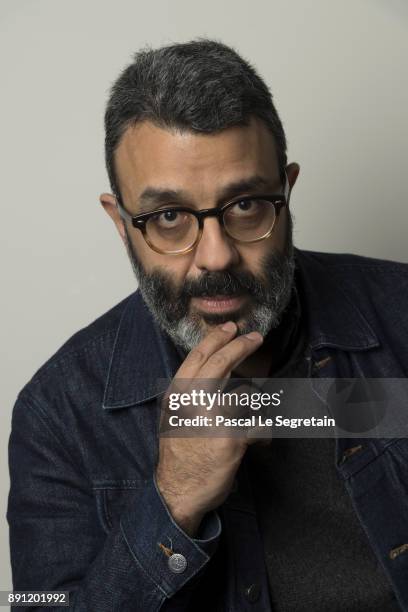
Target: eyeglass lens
{"type": "Point", "coordinates": [249, 220]}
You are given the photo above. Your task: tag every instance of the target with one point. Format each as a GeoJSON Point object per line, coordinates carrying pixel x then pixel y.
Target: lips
{"type": "Point", "coordinates": [218, 303]}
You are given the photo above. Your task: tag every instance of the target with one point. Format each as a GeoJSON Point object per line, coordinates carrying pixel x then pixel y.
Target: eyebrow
{"type": "Point", "coordinates": [153, 197]}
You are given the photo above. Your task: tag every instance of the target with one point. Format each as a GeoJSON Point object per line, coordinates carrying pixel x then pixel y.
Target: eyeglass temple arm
{"type": "Point", "coordinates": [286, 188]}
{"type": "Point", "coordinates": [123, 213]}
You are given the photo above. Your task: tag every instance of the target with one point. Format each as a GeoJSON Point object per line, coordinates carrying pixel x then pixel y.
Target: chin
{"type": "Point", "coordinates": [213, 319]}
{"type": "Point", "coordinates": [211, 322]}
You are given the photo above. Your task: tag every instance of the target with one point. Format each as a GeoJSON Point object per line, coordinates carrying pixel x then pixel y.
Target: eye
{"type": "Point", "coordinates": [169, 215]}
{"type": "Point", "coordinates": [169, 219]}
{"type": "Point", "coordinates": [245, 208]}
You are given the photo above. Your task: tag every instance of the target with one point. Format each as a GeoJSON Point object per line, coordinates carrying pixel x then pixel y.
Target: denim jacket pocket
{"type": "Point", "coordinates": [112, 496]}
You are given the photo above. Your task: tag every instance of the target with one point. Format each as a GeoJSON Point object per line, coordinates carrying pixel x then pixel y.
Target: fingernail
{"type": "Point", "coordinates": [254, 336]}
{"type": "Point", "coordinates": [229, 326]}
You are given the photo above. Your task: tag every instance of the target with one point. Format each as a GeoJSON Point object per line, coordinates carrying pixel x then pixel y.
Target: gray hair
{"type": "Point", "coordinates": [202, 85]}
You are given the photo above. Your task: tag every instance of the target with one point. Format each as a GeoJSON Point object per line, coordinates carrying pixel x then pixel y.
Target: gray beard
{"type": "Point", "coordinates": [269, 293]}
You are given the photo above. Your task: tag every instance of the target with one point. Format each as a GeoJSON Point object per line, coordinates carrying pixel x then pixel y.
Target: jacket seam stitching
{"type": "Point", "coordinates": [63, 358]}
{"type": "Point", "coordinates": [139, 563]}
{"type": "Point", "coordinates": [374, 458]}
{"type": "Point", "coordinates": [111, 380]}
{"type": "Point", "coordinates": [42, 416]}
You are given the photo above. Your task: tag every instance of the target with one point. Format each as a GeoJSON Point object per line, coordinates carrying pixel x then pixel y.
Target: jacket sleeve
{"type": "Point", "coordinates": [57, 542]}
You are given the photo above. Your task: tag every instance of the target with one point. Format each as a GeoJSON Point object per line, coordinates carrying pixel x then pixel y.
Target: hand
{"type": "Point", "coordinates": [195, 475]}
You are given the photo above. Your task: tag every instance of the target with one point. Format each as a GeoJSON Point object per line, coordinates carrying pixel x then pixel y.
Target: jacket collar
{"type": "Point", "coordinates": [333, 319]}
{"type": "Point", "coordinates": [143, 357]}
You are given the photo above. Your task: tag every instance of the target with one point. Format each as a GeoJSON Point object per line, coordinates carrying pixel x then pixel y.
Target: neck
{"type": "Point", "coordinates": [257, 365]}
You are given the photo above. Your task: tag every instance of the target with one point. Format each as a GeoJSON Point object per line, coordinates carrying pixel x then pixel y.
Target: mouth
{"type": "Point", "coordinates": [218, 303]}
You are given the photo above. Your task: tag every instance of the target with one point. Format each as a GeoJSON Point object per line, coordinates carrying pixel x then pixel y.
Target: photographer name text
{"type": "Point", "coordinates": [255, 420]}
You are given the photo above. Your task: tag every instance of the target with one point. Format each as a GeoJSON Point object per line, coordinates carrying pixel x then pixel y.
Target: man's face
{"type": "Point", "coordinates": [219, 279]}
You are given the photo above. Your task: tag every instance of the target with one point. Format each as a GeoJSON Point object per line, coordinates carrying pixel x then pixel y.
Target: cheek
{"type": "Point", "coordinates": [277, 240]}
{"type": "Point", "coordinates": [176, 266]}
{"type": "Point", "coordinates": [252, 255]}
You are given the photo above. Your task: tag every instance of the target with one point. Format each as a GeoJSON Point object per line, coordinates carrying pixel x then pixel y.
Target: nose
{"type": "Point", "coordinates": [215, 250]}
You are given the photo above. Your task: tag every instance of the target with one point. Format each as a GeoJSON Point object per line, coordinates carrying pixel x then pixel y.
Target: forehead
{"type": "Point", "coordinates": [151, 156]}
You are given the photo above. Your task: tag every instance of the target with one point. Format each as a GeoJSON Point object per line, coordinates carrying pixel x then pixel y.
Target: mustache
{"type": "Point", "coordinates": [267, 288]}
{"type": "Point", "coordinates": [223, 282]}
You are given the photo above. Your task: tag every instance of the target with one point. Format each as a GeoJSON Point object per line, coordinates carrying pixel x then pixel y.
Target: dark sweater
{"type": "Point", "coordinates": [317, 555]}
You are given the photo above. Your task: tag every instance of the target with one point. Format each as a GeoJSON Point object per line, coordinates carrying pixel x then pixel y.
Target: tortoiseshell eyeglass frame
{"type": "Point", "coordinates": [140, 221]}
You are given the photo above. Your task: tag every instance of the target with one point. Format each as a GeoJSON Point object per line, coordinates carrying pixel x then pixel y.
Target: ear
{"type": "Point", "coordinates": [108, 201]}
{"type": "Point", "coordinates": [292, 172]}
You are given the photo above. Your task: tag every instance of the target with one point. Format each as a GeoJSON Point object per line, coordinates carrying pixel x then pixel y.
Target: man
{"type": "Point", "coordinates": [103, 506]}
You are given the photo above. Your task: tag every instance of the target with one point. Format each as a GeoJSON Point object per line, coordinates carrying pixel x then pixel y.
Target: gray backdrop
{"type": "Point", "coordinates": [337, 70]}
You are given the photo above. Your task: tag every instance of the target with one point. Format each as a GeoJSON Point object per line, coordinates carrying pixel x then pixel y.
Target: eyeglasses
{"type": "Point", "coordinates": [175, 230]}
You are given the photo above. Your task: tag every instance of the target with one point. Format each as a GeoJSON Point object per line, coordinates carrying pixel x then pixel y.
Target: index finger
{"type": "Point", "coordinates": [213, 341]}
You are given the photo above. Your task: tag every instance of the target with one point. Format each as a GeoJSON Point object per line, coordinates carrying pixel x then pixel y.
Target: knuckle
{"type": "Point", "coordinates": [196, 356]}
{"type": "Point", "coordinates": [246, 342]}
{"type": "Point", "coordinates": [218, 360]}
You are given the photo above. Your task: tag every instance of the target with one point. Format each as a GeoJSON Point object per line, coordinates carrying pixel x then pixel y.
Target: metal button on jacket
{"type": "Point", "coordinates": [252, 592]}
{"type": "Point", "coordinates": [177, 563]}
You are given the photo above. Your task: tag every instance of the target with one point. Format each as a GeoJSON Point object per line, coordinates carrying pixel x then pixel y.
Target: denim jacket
{"type": "Point", "coordinates": [84, 511]}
